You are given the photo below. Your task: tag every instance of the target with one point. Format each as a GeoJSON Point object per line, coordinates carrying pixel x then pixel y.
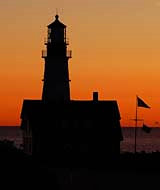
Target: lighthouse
{"type": "Point", "coordinates": [56, 86]}
{"type": "Point", "coordinates": [62, 130]}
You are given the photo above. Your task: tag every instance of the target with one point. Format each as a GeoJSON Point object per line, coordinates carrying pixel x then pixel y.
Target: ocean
{"type": "Point", "coordinates": [147, 142]}
{"type": "Point", "coordinates": [12, 134]}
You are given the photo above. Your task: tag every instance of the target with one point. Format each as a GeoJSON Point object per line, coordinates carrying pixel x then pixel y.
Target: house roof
{"type": "Point", "coordinates": [56, 23]}
{"type": "Point", "coordinates": [78, 109]}
{"type": "Point", "coordinates": [103, 112]}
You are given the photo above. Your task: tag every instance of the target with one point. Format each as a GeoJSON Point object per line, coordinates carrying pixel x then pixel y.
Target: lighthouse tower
{"type": "Point", "coordinates": [56, 75]}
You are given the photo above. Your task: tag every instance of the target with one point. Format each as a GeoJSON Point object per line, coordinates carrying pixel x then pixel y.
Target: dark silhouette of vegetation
{"type": "Point", "coordinates": [21, 170]}
{"type": "Point", "coordinates": [16, 169]}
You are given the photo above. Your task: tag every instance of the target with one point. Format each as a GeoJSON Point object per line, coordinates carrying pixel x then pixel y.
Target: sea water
{"type": "Point", "coordinates": [147, 142]}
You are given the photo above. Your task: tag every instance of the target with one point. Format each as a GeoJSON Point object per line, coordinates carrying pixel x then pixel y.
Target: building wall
{"type": "Point", "coordinates": [73, 137]}
{"type": "Point", "coordinates": [27, 137]}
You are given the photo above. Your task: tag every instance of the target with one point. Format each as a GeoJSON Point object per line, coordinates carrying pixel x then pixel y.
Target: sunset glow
{"type": "Point", "coordinates": [115, 45]}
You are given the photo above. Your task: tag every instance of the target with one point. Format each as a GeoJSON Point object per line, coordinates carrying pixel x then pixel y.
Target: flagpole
{"type": "Point", "coordinates": [135, 148]}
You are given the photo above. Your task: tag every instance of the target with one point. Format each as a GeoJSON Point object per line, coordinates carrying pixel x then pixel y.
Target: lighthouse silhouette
{"type": "Point", "coordinates": [70, 131]}
{"type": "Point", "coordinates": [56, 74]}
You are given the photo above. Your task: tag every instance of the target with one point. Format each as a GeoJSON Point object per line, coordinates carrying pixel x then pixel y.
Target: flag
{"type": "Point", "coordinates": [141, 103]}
{"type": "Point", "coordinates": [146, 129]}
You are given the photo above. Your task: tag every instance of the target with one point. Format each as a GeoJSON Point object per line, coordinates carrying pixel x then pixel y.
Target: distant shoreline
{"type": "Point", "coordinates": [16, 126]}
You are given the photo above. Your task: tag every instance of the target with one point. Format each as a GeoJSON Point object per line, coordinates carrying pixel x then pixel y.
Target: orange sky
{"type": "Point", "coordinates": [116, 51]}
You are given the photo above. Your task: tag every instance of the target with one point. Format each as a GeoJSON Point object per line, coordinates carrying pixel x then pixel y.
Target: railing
{"type": "Point", "coordinates": [69, 54]}
{"type": "Point", "coordinates": [67, 41]}
{"type": "Point", "coordinates": [47, 41]}
{"type": "Point", "coordinates": [44, 53]}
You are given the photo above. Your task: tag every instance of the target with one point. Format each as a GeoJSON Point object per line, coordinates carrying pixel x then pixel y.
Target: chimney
{"type": "Point", "coordinates": [95, 96]}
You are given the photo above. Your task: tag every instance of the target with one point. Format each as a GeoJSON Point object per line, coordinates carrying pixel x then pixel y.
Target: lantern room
{"type": "Point", "coordinates": [56, 32]}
